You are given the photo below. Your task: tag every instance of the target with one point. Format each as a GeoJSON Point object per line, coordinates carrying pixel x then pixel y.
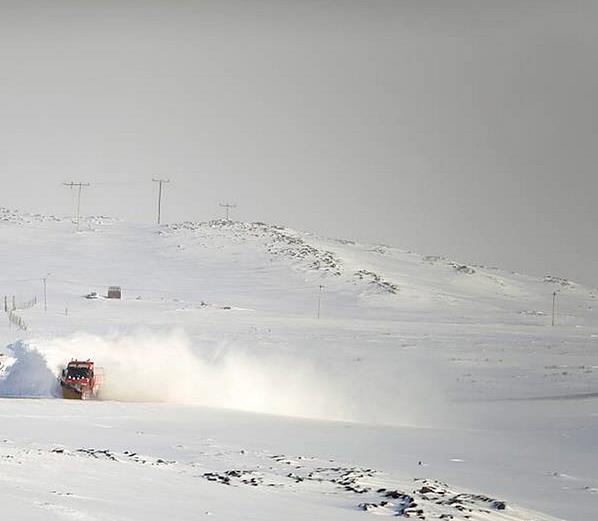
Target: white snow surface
{"type": "Point", "coordinates": [427, 388]}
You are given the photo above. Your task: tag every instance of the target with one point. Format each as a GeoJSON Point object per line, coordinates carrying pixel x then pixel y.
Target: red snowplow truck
{"type": "Point", "coordinates": [80, 380]}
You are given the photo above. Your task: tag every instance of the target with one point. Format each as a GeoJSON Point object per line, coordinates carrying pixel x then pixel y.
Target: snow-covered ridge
{"type": "Point", "coordinates": [373, 269]}
{"type": "Point", "coordinates": [308, 251]}
{"type": "Point", "coordinates": [11, 216]}
{"type": "Point", "coordinates": [8, 216]}
{"type": "Point", "coordinates": [278, 241]}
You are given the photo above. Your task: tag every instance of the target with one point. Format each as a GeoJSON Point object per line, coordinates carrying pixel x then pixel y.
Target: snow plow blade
{"type": "Point", "coordinates": [70, 393]}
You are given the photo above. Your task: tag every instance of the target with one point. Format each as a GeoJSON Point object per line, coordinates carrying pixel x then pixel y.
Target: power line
{"type": "Point", "coordinates": [228, 206]}
{"type": "Point", "coordinates": [160, 183]}
{"type": "Point", "coordinates": [79, 185]}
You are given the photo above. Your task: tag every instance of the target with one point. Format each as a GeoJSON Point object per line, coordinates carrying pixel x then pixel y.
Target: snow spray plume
{"type": "Point", "coordinates": [152, 368]}
{"type": "Point", "coordinates": [149, 367]}
{"type": "Point", "coordinates": [26, 373]}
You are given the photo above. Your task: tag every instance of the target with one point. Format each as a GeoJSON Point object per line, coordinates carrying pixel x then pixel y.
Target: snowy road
{"type": "Point", "coordinates": [72, 460]}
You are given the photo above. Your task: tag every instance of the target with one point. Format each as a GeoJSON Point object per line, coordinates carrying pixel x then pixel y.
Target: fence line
{"type": "Point", "coordinates": [16, 320]}
{"type": "Point", "coordinates": [11, 305]}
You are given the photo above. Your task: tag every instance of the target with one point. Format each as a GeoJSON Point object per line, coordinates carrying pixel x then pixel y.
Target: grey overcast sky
{"type": "Point", "coordinates": [466, 128]}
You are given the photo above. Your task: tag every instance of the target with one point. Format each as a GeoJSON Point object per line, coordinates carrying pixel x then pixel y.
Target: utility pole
{"type": "Point", "coordinates": [160, 183]}
{"type": "Point", "coordinates": [320, 300]}
{"type": "Point", "coordinates": [45, 279]}
{"type": "Point", "coordinates": [228, 206]}
{"type": "Point", "coordinates": [553, 306]}
{"type": "Point", "coordinates": [79, 185]}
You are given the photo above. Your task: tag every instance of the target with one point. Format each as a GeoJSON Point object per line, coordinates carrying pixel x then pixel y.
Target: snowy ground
{"type": "Point", "coordinates": [226, 396]}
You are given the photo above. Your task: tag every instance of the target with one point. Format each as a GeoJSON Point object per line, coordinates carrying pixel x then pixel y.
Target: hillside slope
{"type": "Point", "coordinates": [435, 360]}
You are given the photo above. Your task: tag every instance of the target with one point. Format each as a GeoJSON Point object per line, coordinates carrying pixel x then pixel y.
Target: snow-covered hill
{"type": "Point", "coordinates": [418, 367]}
